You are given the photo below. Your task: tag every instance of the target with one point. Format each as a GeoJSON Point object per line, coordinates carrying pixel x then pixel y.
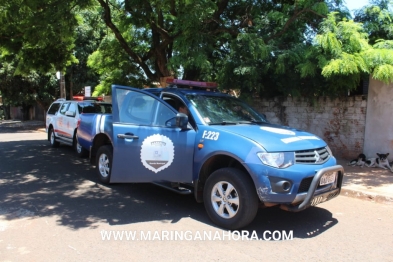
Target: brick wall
{"type": "Point", "coordinates": [340, 122]}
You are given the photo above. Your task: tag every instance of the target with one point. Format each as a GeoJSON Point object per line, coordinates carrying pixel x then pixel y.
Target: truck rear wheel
{"type": "Point", "coordinates": [230, 198]}
{"type": "Point", "coordinates": [80, 151]}
{"type": "Point", "coordinates": [104, 163]}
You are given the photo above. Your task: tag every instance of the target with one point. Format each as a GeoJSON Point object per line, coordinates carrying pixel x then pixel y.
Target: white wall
{"type": "Point", "coordinates": [378, 136]}
{"type": "Point", "coordinates": [340, 121]}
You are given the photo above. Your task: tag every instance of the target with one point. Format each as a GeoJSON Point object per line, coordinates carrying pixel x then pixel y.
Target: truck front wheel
{"type": "Point", "coordinates": [104, 163]}
{"type": "Point", "coordinates": [230, 198]}
{"type": "Point", "coordinates": [52, 138]}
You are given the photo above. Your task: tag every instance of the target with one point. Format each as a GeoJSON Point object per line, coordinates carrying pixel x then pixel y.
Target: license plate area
{"type": "Point", "coordinates": [328, 178]}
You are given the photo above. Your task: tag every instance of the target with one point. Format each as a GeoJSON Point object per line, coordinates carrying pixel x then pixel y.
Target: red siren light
{"type": "Point", "coordinates": [81, 98]}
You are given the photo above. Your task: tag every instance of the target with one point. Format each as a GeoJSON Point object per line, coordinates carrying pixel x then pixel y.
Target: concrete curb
{"type": "Point", "coordinates": [369, 196]}
{"type": "Point", "coordinates": [31, 124]}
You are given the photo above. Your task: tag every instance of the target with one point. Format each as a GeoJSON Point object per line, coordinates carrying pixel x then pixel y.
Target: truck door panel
{"type": "Point", "coordinates": [62, 121]}
{"type": "Point", "coordinates": [146, 147]}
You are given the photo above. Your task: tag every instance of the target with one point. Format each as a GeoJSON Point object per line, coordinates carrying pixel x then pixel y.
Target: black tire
{"type": "Point", "coordinates": [104, 163]}
{"type": "Point", "coordinates": [224, 211]}
{"type": "Point", "coordinates": [80, 151]}
{"type": "Point", "coordinates": [52, 138]}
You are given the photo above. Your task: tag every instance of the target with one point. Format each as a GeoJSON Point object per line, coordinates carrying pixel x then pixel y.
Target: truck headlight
{"type": "Point", "coordinates": [278, 160]}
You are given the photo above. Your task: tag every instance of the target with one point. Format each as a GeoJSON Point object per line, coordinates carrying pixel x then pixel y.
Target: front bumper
{"type": "Point", "coordinates": [313, 196]}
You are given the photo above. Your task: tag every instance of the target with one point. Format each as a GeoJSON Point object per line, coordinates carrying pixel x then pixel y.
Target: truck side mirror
{"type": "Point", "coordinates": [181, 120]}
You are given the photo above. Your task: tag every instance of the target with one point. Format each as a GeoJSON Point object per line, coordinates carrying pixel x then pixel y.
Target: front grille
{"type": "Point", "coordinates": [312, 156]}
{"type": "Point", "coordinates": [305, 185]}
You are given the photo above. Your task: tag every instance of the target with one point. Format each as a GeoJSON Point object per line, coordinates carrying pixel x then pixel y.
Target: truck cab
{"type": "Point", "coordinates": [221, 150]}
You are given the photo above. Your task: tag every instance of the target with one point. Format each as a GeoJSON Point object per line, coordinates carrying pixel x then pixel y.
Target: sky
{"type": "Point", "coordinates": [355, 4]}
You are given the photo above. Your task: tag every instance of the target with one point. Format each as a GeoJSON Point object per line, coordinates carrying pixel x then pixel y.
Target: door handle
{"type": "Point", "coordinates": [127, 136]}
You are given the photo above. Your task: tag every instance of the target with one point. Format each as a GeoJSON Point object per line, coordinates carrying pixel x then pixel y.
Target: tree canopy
{"type": "Point", "coordinates": [26, 90]}
{"type": "Point", "coordinates": [240, 44]}
{"type": "Point", "coordinates": [377, 20]}
{"type": "Point", "coordinates": [40, 33]}
{"type": "Point", "coordinates": [301, 47]}
{"type": "Point", "coordinates": [343, 54]}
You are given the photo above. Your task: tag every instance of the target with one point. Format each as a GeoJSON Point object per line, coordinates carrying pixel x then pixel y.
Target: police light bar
{"type": "Point", "coordinates": [81, 98]}
{"type": "Point", "coordinates": [191, 83]}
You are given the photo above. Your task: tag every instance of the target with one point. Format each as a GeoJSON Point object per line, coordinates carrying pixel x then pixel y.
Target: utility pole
{"type": "Point", "coordinates": [60, 76]}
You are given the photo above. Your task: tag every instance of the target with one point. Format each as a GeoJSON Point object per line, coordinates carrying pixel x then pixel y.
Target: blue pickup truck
{"type": "Point", "coordinates": [219, 149]}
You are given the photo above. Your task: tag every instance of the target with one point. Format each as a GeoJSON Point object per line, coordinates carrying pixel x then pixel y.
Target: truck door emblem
{"type": "Point", "coordinates": [157, 152]}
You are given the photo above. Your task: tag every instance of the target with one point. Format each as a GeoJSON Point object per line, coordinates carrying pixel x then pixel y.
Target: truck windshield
{"type": "Point", "coordinates": [224, 110]}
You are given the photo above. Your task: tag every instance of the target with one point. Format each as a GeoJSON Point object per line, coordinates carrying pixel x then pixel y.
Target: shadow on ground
{"type": "Point", "coordinates": [38, 181]}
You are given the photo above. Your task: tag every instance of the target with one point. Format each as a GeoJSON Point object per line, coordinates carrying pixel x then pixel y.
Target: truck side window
{"type": "Point", "coordinates": [171, 102]}
{"type": "Point", "coordinates": [64, 108]}
{"type": "Point", "coordinates": [53, 109]}
{"type": "Point", "coordinates": [137, 108]}
{"type": "Point", "coordinates": [72, 108]}
{"type": "Point", "coordinates": [164, 113]}
{"type": "Point", "coordinates": [177, 104]}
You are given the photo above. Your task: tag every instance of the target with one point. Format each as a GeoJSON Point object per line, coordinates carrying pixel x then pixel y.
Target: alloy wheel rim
{"type": "Point", "coordinates": [52, 137]}
{"type": "Point", "coordinates": [225, 200]}
{"type": "Point", "coordinates": [103, 165]}
{"type": "Point", "coordinates": [78, 147]}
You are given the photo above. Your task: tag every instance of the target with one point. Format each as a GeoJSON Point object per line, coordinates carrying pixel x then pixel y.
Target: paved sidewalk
{"type": "Point", "coordinates": [367, 183]}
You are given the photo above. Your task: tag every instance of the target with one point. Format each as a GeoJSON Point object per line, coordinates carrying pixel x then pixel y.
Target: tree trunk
{"type": "Point", "coordinates": [7, 110]}
{"type": "Point", "coordinates": [71, 84]}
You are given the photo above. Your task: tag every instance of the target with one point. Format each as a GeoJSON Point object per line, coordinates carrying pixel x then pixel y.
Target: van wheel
{"type": "Point", "coordinates": [80, 151]}
{"type": "Point", "coordinates": [230, 198]}
{"type": "Point", "coordinates": [104, 163]}
{"type": "Point", "coordinates": [52, 139]}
